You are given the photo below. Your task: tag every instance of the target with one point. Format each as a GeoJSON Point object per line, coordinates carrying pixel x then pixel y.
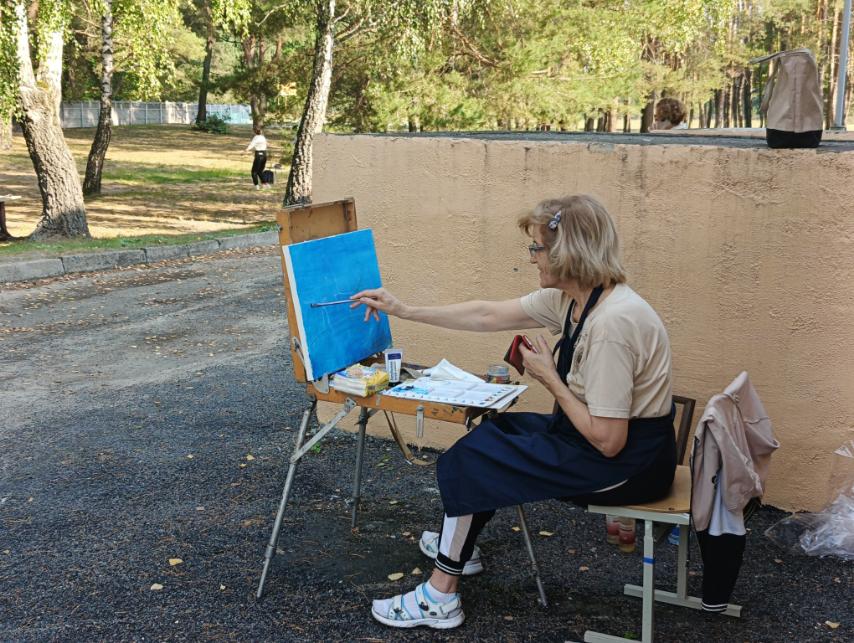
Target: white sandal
{"type": "Point", "coordinates": [426, 611]}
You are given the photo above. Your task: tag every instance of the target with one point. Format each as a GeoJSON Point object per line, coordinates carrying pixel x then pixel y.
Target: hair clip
{"type": "Point", "coordinates": [554, 221]}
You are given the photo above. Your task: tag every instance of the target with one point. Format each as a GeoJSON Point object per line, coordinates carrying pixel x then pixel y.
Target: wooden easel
{"type": "Point", "coordinates": [299, 224]}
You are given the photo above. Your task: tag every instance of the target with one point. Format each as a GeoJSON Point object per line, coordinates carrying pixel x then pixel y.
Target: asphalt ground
{"type": "Point", "coordinates": [147, 414]}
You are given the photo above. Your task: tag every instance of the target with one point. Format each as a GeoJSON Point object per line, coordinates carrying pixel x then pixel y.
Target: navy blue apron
{"type": "Point", "coordinates": [516, 458]}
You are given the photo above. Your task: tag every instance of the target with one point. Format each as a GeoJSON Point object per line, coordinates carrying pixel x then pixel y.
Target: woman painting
{"type": "Point", "coordinates": [610, 439]}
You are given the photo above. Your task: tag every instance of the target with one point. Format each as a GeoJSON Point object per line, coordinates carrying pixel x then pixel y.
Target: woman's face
{"type": "Point", "coordinates": [540, 259]}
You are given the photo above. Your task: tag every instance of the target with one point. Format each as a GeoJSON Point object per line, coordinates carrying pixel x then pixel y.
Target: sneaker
{"type": "Point", "coordinates": [419, 607]}
{"type": "Point", "coordinates": [257, 187]}
{"type": "Point", "coordinates": [429, 545]}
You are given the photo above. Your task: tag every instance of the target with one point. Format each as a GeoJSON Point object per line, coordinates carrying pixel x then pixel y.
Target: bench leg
{"type": "Point", "coordinates": [648, 622]}
{"type": "Point", "coordinates": [680, 596]}
{"type": "Point", "coordinates": [531, 555]}
{"type": "Point", "coordinates": [646, 592]}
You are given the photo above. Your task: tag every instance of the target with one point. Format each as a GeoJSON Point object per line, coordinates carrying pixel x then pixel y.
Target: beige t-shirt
{"type": "Point", "coordinates": [621, 365]}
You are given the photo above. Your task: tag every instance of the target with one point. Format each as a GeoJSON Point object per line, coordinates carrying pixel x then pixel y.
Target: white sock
{"type": "Point", "coordinates": [439, 597]}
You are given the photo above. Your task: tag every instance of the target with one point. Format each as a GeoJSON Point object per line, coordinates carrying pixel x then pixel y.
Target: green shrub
{"type": "Point", "coordinates": [213, 124]}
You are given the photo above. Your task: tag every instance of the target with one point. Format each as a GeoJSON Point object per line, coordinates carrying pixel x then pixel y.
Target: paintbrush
{"type": "Point", "coordinates": [320, 304]}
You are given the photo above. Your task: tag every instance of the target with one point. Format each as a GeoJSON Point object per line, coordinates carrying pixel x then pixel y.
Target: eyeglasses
{"type": "Point", "coordinates": [534, 248]}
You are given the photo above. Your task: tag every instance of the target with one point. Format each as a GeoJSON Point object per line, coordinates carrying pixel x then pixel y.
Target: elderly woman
{"type": "Point", "coordinates": [610, 439]}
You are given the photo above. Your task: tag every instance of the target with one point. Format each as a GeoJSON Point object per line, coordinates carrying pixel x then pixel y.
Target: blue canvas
{"type": "Point", "coordinates": [330, 269]}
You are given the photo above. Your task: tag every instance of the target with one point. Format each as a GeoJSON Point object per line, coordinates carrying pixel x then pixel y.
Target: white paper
{"type": "Point", "coordinates": [444, 370]}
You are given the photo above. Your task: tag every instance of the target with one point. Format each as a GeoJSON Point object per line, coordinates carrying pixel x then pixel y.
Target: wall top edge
{"type": "Point", "coordinates": [835, 143]}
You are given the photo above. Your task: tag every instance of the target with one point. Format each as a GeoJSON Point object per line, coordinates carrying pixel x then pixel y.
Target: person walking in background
{"type": "Point", "coordinates": [670, 114]}
{"type": "Point", "coordinates": [259, 144]}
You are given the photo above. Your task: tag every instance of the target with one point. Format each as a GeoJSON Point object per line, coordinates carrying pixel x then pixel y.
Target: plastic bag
{"type": "Point", "coordinates": [830, 532]}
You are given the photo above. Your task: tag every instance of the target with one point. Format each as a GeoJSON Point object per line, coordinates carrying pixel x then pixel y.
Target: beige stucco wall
{"type": "Point", "coordinates": [747, 255]}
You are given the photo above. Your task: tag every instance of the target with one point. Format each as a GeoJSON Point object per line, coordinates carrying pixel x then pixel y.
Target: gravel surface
{"type": "Point", "coordinates": [147, 415]}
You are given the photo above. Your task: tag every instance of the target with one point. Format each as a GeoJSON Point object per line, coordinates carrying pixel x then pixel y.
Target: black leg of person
{"type": "Point", "coordinates": [530, 547]}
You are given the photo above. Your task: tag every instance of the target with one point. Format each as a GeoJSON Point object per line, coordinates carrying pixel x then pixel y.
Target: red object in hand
{"type": "Point", "coordinates": [514, 355]}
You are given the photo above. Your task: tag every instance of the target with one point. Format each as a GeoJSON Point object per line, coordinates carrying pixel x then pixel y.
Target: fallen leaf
{"type": "Point", "coordinates": [156, 587]}
{"type": "Point", "coordinates": [514, 528]}
{"type": "Point", "coordinates": [836, 579]}
{"type": "Point", "coordinates": [546, 533]}
{"type": "Point", "coordinates": [416, 572]}
{"type": "Point", "coordinates": [406, 533]}
{"type": "Point", "coordinates": [221, 587]}
{"type": "Point", "coordinates": [832, 625]}
{"type": "Point", "coordinates": [175, 561]}
{"type": "Point", "coordinates": [395, 576]}
{"type": "Point", "coordinates": [583, 568]}
{"type": "Point", "coordinates": [250, 457]}
{"type": "Point", "coordinates": [200, 508]}
{"type": "Point", "coordinates": [7, 551]}
{"type": "Point", "coordinates": [392, 502]}
{"type": "Point", "coordinates": [571, 551]}
{"type": "Point", "coordinates": [508, 617]}
{"type": "Point", "coordinates": [778, 561]}
{"type": "Point", "coordinates": [189, 456]}
{"type": "Point", "coordinates": [242, 465]}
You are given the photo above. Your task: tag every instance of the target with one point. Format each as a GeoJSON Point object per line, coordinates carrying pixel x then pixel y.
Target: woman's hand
{"type": "Point", "coordinates": [539, 362]}
{"type": "Point", "coordinates": [378, 299]}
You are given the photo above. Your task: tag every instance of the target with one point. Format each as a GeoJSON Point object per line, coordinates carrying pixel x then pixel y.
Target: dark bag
{"type": "Point", "coordinates": [268, 177]}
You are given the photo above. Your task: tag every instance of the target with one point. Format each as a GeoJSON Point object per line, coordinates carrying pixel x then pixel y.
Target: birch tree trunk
{"type": "Point", "coordinates": [298, 189]}
{"type": "Point", "coordinates": [63, 211]}
{"type": "Point", "coordinates": [104, 132]}
{"type": "Point", "coordinates": [5, 133]}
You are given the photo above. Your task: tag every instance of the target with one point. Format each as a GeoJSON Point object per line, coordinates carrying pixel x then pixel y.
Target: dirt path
{"type": "Point", "coordinates": [147, 414]}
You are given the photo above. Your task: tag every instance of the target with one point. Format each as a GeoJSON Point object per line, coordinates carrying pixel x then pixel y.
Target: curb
{"type": "Point", "coordinates": [91, 261]}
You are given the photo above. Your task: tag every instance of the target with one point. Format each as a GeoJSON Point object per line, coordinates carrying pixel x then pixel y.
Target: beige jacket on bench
{"type": "Point", "coordinates": [733, 446]}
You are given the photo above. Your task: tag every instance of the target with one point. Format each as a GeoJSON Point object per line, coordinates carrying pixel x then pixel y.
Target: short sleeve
{"type": "Point", "coordinates": [547, 306]}
{"type": "Point", "coordinates": [608, 375]}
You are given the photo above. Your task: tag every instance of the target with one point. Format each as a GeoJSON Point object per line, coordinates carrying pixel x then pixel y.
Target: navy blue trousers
{"type": "Point", "coordinates": [522, 457]}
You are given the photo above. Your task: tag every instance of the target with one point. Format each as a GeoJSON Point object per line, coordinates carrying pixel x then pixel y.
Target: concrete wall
{"type": "Point", "coordinates": [746, 253]}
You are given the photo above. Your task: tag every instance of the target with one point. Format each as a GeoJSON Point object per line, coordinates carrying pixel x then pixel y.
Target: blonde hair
{"type": "Point", "coordinates": [583, 245]}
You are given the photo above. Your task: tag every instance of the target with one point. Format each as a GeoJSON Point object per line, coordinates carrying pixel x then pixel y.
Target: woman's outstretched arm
{"type": "Point", "coordinates": [469, 315]}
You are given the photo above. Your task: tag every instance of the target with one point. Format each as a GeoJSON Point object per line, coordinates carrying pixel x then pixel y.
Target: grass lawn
{"type": "Point", "coordinates": [161, 184]}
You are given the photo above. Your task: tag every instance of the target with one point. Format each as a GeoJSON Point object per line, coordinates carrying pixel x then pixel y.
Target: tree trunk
{"type": "Point", "coordinates": [202, 113]}
{"type": "Point", "coordinates": [719, 107]}
{"type": "Point", "coordinates": [648, 114]}
{"type": "Point", "coordinates": [104, 132]}
{"type": "Point", "coordinates": [627, 123]}
{"type": "Point", "coordinates": [63, 211]}
{"type": "Point", "coordinates": [746, 90]}
{"type": "Point", "coordinates": [5, 133]}
{"type": "Point", "coordinates": [735, 107]}
{"type": "Point", "coordinates": [298, 189]}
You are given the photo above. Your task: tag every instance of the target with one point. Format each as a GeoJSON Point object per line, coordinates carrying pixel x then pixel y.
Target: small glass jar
{"type": "Point", "coordinates": [498, 374]}
{"type": "Point", "coordinates": [627, 535]}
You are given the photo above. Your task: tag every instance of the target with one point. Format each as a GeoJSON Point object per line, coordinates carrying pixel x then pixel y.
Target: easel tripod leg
{"type": "Point", "coordinates": [277, 525]}
{"type": "Point", "coordinates": [529, 545]}
{"type": "Point", "coordinates": [360, 450]}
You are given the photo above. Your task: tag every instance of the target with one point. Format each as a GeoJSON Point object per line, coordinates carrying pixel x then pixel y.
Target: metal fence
{"type": "Point", "coordinates": [85, 114]}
